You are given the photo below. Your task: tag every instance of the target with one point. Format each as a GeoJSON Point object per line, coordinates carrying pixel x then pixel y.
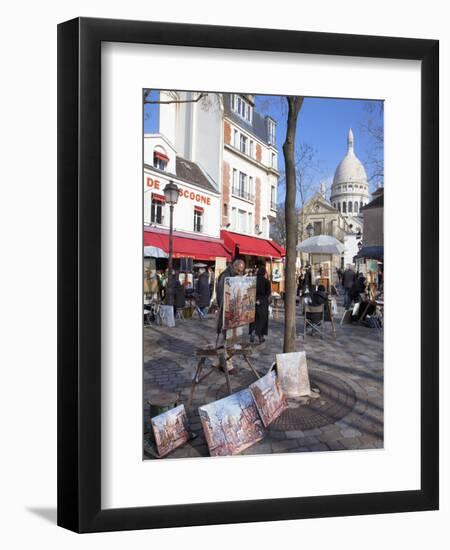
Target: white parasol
{"type": "Point", "coordinates": [321, 244]}
{"type": "Point", "coordinates": [154, 252]}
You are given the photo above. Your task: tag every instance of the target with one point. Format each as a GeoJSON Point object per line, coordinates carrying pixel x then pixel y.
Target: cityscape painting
{"type": "Point", "coordinates": [171, 430]}
{"type": "Point", "coordinates": [269, 398]}
{"type": "Point", "coordinates": [239, 302]}
{"type": "Point", "coordinates": [232, 424]}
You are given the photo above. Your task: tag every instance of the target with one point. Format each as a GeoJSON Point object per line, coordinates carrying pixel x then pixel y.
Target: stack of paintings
{"type": "Point", "coordinates": [238, 421]}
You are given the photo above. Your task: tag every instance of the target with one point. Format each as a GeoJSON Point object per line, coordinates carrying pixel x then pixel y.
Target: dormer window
{"type": "Point", "coordinates": [160, 159]}
{"type": "Point", "coordinates": [270, 128]}
{"type": "Point", "coordinates": [242, 107]}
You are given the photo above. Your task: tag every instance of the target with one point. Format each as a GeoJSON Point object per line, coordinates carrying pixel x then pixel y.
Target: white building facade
{"type": "Point", "coordinates": [222, 155]}
{"type": "Point", "coordinates": [199, 205]}
{"type": "Point", "coordinates": [249, 168]}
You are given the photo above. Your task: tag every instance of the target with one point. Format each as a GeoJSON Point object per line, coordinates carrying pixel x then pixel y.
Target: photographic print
{"type": "Point", "coordinates": [171, 430]}
{"type": "Point", "coordinates": [232, 424]}
{"type": "Point", "coordinates": [269, 398]}
{"type": "Point", "coordinates": [220, 209]}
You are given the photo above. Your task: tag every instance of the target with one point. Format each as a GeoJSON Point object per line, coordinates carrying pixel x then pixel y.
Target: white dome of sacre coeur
{"type": "Point", "coordinates": [350, 169]}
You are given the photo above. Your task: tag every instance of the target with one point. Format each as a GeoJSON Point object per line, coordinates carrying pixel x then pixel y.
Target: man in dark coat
{"type": "Point", "coordinates": [348, 280]}
{"type": "Point", "coordinates": [236, 268]}
{"type": "Point", "coordinates": [263, 292]}
{"type": "Point", "coordinates": [361, 284]}
{"type": "Point", "coordinates": [307, 281]}
{"type": "Point", "coordinates": [179, 300]}
{"type": "Point", "coordinates": [203, 292]}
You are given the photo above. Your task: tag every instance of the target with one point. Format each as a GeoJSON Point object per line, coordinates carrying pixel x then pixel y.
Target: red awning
{"type": "Point", "coordinates": [161, 156]}
{"type": "Point", "coordinates": [159, 198]}
{"type": "Point", "coordinates": [184, 247]}
{"type": "Point", "coordinates": [252, 246]}
{"type": "Point", "coordinates": [278, 247]}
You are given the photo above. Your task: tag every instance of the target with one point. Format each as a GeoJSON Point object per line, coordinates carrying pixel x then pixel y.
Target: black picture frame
{"type": "Point", "coordinates": [79, 274]}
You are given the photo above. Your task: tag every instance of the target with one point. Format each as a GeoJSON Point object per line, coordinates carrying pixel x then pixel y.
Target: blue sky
{"type": "Point", "coordinates": [323, 124]}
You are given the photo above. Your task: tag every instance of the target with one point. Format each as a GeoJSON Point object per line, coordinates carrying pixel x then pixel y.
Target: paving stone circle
{"type": "Point", "coordinates": [337, 399]}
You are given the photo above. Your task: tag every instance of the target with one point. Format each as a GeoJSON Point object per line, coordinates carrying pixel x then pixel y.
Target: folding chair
{"type": "Point", "coordinates": [314, 318]}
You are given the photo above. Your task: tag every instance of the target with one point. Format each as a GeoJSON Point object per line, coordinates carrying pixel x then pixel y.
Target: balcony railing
{"type": "Point", "coordinates": [243, 194]}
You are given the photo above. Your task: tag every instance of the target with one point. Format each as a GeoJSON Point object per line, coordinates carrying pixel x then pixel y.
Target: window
{"type": "Point", "coordinates": [273, 197]}
{"type": "Point", "coordinates": [356, 206]}
{"type": "Point", "coordinates": [350, 206]}
{"type": "Point", "coordinates": [274, 160]}
{"type": "Point", "coordinates": [270, 130]}
{"type": "Point", "coordinates": [198, 219]}
{"type": "Point", "coordinates": [157, 209]}
{"type": "Point", "coordinates": [264, 227]}
{"type": "Point", "coordinates": [334, 205]}
{"type": "Point", "coordinates": [236, 138]}
{"type": "Point", "coordinates": [360, 205]}
{"type": "Point", "coordinates": [252, 148]}
{"type": "Point", "coordinates": [242, 221]}
{"type": "Point", "coordinates": [243, 108]}
{"type": "Point", "coordinates": [339, 206]}
{"type": "Point", "coordinates": [160, 159]}
{"type": "Point", "coordinates": [317, 228]}
{"type": "Point", "coordinates": [250, 222]}
{"type": "Point", "coordinates": [344, 207]}
{"type": "Point", "coordinates": [233, 217]}
{"type": "Point", "coordinates": [242, 184]}
{"type": "Point", "coordinates": [225, 210]}
{"type": "Point", "coordinates": [243, 144]}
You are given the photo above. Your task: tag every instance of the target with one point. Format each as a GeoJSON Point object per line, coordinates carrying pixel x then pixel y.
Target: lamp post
{"type": "Point", "coordinates": [310, 233]}
{"type": "Point", "coordinates": [171, 196]}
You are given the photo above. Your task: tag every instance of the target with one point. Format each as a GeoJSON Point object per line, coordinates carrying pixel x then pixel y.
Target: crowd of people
{"type": "Point", "coordinates": [199, 289]}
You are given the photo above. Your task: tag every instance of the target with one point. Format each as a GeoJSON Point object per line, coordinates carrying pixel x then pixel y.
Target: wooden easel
{"type": "Point", "coordinates": [224, 353]}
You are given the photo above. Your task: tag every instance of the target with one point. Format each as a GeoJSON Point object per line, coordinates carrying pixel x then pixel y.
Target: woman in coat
{"type": "Point", "coordinates": [263, 291]}
{"type": "Point", "coordinates": [203, 291]}
{"type": "Point", "coordinates": [179, 298]}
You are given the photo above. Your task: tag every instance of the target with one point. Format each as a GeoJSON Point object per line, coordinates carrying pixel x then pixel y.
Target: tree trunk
{"type": "Point", "coordinates": [294, 106]}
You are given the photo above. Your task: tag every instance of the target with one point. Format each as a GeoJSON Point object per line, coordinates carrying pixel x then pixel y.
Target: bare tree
{"type": "Point", "coordinates": [278, 225]}
{"type": "Point", "coordinates": [307, 170]}
{"type": "Point", "coordinates": [373, 127]}
{"type": "Point", "coordinates": [173, 98]}
{"type": "Point", "coordinates": [294, 105]}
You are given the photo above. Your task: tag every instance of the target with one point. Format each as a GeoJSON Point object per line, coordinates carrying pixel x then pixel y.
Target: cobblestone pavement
{"type": "Point", "coordinates": [348, 372]}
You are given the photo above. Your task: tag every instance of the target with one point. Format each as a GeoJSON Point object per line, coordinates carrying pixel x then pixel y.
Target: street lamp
{"type": "Point", "coordinates": [171, 195]}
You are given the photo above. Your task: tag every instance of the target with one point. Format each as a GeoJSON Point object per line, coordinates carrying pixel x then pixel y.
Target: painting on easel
{"type": "Point", "coordinates": [239, 302]}
{"type": "Point", "coordinates": [232, 424]}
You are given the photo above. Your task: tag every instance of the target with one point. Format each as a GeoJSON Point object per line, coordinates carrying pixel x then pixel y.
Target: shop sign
{"type": "Point", "coordinates": [183, 192]}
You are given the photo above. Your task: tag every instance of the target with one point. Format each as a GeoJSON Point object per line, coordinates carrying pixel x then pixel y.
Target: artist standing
{"type": "Point", "coordinates": [263, 292]}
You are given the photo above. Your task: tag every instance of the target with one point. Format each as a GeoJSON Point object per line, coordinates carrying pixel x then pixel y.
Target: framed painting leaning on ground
{"type": "Point", "coordinates": [212, 221]}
